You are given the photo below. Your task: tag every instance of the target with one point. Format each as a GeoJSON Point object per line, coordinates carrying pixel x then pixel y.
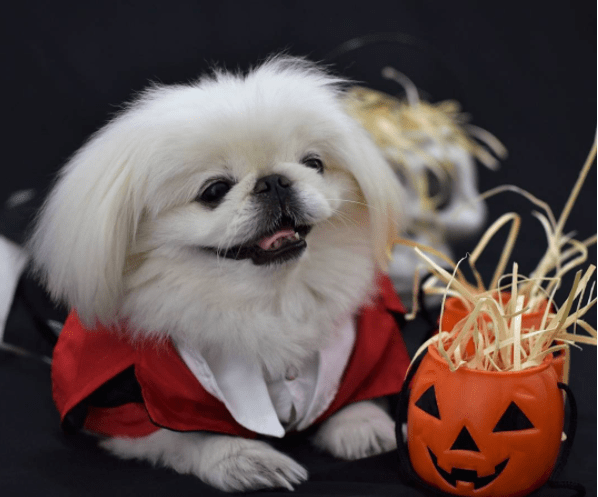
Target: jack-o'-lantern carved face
{"type": "Point", "coordinates": [484, 433]}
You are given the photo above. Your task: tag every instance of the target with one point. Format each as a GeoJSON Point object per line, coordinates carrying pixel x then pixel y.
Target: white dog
{"type": "Point", "coordinates": [221, 246]}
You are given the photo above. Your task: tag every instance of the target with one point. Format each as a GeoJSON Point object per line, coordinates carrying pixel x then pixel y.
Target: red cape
{"type": "Point", "coordinates": [173, 398]}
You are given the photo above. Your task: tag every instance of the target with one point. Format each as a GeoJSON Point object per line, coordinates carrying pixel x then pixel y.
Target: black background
{"type": "Point", "coordinates": [526, 71]}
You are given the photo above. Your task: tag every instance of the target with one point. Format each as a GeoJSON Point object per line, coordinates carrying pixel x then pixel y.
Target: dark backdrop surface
{"type": "Point", "coordinates": [525, 71]}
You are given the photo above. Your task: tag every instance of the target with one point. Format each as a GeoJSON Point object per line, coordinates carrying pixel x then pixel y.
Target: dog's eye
{"type": "Point", "coordinates": [314, 162]}
{"type": "Point", "coordinates": [214, 194]}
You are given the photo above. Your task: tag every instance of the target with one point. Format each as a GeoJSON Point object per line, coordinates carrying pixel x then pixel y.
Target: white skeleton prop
{"type": "Point", "coordinates": [432, 149]}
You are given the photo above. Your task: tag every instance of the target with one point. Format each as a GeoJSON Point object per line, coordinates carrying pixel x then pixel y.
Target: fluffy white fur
{"type": "Point", "coordinates": [120, 236]}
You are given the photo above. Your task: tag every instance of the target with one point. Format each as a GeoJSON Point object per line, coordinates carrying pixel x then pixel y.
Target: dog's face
{"type": "Point", "coordinates": [262, 214]}
{"type": "Point", "coordinates": [253, 192]}
{"type": "Point", "coordinates": [270, 221]}
{"type": "Point", "coordinates": [213, 203]}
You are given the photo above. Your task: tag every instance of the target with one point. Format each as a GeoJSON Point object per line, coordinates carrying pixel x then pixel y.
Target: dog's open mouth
{"type": "Point", "coordinates": [467, 475]}
{"type": "Point", "coordinates": [286, 241]}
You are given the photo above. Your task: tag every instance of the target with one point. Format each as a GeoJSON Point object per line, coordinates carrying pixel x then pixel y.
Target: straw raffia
{"type": "Point", "coordinates": [494, 328]}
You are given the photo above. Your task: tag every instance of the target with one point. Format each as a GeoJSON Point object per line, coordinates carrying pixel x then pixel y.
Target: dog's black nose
{"type": "Point", "coordinates": [274, 193]}
{"type": "Point", "coordinates": [273, 184]}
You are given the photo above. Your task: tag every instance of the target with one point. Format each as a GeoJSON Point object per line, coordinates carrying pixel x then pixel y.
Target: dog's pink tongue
{"type": "Point", "coordinates": [267, 242]}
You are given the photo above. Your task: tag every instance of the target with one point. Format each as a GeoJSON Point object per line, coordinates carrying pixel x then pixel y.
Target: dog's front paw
{"type": "Point", "coordinates": [359, 430]}
{"type": "Point", "coordinates": [225, 462]}
{"type": "Point", "coordinates": [238, 464]}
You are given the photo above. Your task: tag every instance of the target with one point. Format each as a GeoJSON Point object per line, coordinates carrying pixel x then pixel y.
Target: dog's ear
{"type": "Point", "coordinates": [83, 231]}
{"type": "Point", "coordinates": [381, 190]}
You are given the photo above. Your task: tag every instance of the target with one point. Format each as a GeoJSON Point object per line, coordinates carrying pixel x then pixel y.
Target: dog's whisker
{"type": "Point", "coordinates": [343, 216]}
{"type": "Point", "coordinates": [222, 248]}
{"type": "Point", "coordinates": [347, 201]}
{"type": "Point", "coordinates": [363, 204]}
{"type": "Point", "coordinates": [239, 251]}
{"type": "Point", "coordinates": [346, 219]}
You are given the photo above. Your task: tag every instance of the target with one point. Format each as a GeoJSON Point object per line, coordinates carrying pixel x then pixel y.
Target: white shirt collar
{"type": "Point", "coordinates": [273, 406]}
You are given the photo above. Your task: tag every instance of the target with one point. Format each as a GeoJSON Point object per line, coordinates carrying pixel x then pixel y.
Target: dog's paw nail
{"type": "Point", "coordinates": [257, 466]}
{"type": "Point", "coordinates": [354, 435]}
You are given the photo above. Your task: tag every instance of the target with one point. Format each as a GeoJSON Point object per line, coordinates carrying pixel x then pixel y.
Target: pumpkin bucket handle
{"type": "Point", "coordinates": [566, 447]}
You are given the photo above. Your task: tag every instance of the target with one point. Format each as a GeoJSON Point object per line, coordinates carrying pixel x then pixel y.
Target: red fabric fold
{"type": "Point", "coordinates": [173, 398]}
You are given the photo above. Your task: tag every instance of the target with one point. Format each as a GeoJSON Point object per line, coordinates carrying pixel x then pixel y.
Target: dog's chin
{"type": "Point", "coordinates": [283, 243]}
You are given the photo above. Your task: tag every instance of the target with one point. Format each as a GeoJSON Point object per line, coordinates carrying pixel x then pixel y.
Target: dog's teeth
{"type": "Point", "coordinates": [279, 239]}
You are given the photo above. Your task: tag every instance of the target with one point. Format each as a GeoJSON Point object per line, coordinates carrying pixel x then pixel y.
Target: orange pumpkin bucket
{"type": "Point", "coordinates": [484, 433]}
{"type": "Point", "coordinates": [484, 410]}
